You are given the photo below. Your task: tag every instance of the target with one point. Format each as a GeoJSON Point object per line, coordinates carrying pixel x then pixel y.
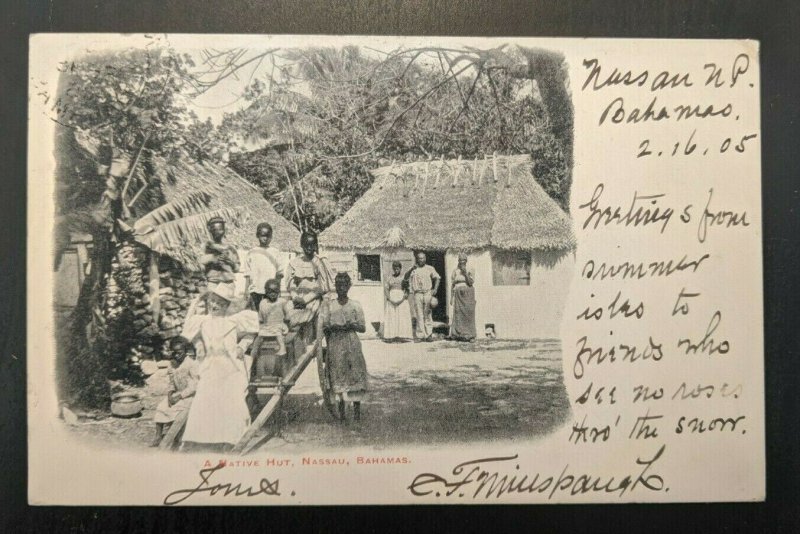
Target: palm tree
{"type": "Point", "coordinates": [97, 341]}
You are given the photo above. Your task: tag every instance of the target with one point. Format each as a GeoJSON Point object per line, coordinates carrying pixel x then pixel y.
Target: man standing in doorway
{"type": "Point", "coordinates": [423, 285]}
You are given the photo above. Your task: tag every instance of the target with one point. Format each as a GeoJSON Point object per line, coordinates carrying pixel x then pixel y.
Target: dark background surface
{"type": "Point", "coordinates": [770, 22]}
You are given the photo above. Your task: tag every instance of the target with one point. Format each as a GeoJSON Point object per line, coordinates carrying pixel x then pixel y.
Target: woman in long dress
{"type": "Point", "coordinates": [219, 415]}
{"type": "Point", "coordinates": [396, 310]}
{"type": "Point", "coordinates": [309, 280]}
{"type": "Point", "coordinates": [463, 299]}
{"type": "Point", "coordinates": [342, 319]}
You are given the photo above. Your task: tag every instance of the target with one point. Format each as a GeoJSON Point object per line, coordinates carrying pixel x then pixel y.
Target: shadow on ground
{"type": "Point", "coordinates": [423, 394]}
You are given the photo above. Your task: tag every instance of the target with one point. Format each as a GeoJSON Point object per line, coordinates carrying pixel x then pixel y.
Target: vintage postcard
{"type": "Point", "coordinates": [380, 270]}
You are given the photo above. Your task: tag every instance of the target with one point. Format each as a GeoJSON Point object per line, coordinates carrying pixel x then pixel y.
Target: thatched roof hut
{"type": "Point", "coordinates": [519, 242]}
{"type": "Point", "coordinates": [455, 204]}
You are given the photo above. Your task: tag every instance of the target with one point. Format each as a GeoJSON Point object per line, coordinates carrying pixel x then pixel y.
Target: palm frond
{"type": "Point", "coordinates": [287, 101]}
{"type": "Point", "coordinates": [171, 211]}
{"type": "Point", "coordinates": [184, 232]}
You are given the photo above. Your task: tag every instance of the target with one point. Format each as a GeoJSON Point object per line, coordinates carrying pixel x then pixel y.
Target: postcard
{"type": "Point", "coordinates": [304, 270]}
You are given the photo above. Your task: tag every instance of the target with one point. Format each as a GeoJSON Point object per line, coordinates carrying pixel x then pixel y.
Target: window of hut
{"type": "Point", "coordinates": [511, 268]}
{"type": "Point", "coordinates": [369, 267]}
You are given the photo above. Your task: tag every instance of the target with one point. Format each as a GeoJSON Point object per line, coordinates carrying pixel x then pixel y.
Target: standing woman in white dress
{"type": "Point", "coordinates": [219, 415]}
{"type": "Point", "coordinates": [396, 310]}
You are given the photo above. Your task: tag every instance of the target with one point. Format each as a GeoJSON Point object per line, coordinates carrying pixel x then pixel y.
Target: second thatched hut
{"type": "Point", "coordinates": [518, 240]}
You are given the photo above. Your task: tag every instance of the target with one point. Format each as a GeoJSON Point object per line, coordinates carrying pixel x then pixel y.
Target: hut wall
{"type": "Point", "coordinates": [129, 318]}
{"type": "Point", "coordinates": [177, 289]}
{"type": "Point", "coordinates": [519, 312]}
{"type": "Point", "coordinates": [368, 294]}
{"type": "Point", "coordinates": [159, 305]}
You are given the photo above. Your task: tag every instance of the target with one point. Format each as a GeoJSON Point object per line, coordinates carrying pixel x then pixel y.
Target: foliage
{"type": "Point", "coordinates": [330, 115]}
{"type": "Point", "coordinates": [127, 93]}
{"type": "Point", "coordinates": [118, 114]}
{"type": "Point", "coordinates": [131, 106]}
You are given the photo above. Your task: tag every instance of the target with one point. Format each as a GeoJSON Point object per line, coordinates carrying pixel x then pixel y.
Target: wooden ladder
{"type": "Point", "coordinates": [277, 392]}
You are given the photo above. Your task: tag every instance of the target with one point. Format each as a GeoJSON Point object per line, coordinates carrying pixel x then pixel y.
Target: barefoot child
{"type": "Point", "coordinates": [271, 319]}
{"type": "Point", "coordinates": [183, 376]}
{"type": "Point", "coordinates": [342, 319]}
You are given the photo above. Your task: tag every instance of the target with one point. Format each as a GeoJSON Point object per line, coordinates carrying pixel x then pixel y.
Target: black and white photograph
{"type": "Point", "coordinates": [312, 247]}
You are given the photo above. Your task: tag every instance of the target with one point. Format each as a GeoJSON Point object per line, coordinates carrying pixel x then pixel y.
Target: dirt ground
{"type": "Point", "coordinates": [423, 393]}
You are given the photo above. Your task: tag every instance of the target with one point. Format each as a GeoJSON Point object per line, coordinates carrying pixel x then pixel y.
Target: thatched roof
{"type": "Point", "coordinates": [209, 188]}
{"type": "Point", "coordinates": [229, 190]}
{"type": "Point", "coordinates": [454, 204]}
{"type": "Point", "coordinates": [171, 219]}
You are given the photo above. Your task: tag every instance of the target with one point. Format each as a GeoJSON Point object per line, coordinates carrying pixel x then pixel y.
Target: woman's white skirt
{"type": "Point", "coordinates": [219, 413]}
{"type": "Point", "coordinates": [397, 320]}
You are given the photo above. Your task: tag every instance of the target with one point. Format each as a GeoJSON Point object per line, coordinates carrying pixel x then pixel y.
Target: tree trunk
{"type": "Point", "coordinates": [82, 369]}
{"type": "Point", "coordinates": [550, 72]}
{"type": "Point", "coordinates": [83, 361]}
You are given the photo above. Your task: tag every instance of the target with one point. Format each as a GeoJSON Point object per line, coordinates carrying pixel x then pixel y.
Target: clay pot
{"type": "Point", "coordinates": [126, 405]}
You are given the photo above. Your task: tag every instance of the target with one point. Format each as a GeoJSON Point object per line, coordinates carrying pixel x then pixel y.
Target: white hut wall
{"type": "Point", "coordinates": [521, 309]}
{"type": "Point", "coordinates": [367, 286]}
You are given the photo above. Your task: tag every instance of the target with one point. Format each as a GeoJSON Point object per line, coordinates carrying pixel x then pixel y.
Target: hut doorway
{"type": "Point", "coordinates": [436, 260]}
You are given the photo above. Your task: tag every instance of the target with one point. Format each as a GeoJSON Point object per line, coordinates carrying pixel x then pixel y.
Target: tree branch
{"type": "Point", "coordinates": [132, 170]}
{"type": "Point", "coordinates": [227, 69]}
{"type": "Point", "coordinates": [469, 96]}
{"type": "Point", "coordinates": [294, 198]}
{"type": "Point", "coordinates": [460, 92]}
{"type": "Point", "coordinates": [399, 116]}
{"type": "Point", "coordinates": [137, 195]}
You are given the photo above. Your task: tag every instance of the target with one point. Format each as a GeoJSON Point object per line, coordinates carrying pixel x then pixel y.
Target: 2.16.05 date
{"type": "Point", "coordinates": [690, 147]}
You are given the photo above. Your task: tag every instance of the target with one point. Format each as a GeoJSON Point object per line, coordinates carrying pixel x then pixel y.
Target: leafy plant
{"type": "Point", "coordinates": [117, 115]}
{"type": "Point", "coordinates": [330, 115]}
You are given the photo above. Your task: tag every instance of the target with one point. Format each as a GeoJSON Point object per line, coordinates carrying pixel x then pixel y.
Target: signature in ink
{"type": "Point", "coordinates": [494, 477]}
{"type": "Point", "coordinates": [265, 487]}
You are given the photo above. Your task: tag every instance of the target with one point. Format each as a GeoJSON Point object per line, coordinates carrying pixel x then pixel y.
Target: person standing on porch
{"type": "Point", "coordinates": [423, 285]}
{"type": "Point", "coordinates": [263, 263]}
{"type": "Point", "coordinates": [463, 301]}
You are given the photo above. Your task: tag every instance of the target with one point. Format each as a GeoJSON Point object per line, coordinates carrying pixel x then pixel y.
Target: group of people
{"type": "Point", "coordinates": [212, 359]}
{"type": "Point", "coordinates": [413, 296]}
